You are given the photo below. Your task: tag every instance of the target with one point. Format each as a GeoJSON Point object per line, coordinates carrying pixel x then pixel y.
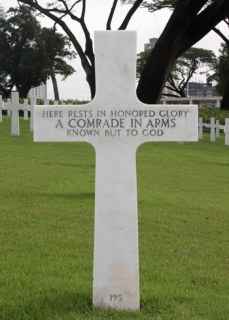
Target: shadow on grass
{"type": "Point", "coordinates": [72, 165]}
{"type": "Point", "coordinates": [61, 305]}
{"type": "Point", "coordinates": [84, 195]}
{"type": "Point", "coordinates": [48, 306]}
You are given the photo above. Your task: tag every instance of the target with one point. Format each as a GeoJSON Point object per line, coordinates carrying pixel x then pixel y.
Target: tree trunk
{"type": "Point", "coordinates": [23, 91]}
{"type": "Point", "coordinates": [6, 93]}
{"type": "Point", "coordinates": [225, 101]}
{"type": "Point", "coordinates": [49, 62]}
{"type": "Point", "coordinates": [185, 27]}
{"type": "Point", "coordinates": [91, 81]}
{"type": "Point", "coordinates": [157, 69]}
{"type": "Point", "coordinates": [54, 83]}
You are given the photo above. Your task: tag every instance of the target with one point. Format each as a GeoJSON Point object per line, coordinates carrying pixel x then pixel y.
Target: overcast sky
{"type": "Point", "coordinates": [146, 24]}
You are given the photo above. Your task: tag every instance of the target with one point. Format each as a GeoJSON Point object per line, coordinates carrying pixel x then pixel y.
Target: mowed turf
{"type": "Point", "coordinates": [47, 225]}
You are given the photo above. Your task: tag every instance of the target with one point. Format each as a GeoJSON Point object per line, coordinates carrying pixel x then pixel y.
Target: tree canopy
{"type": "Point", "coordinates": [186, 66]}
{"type": "Point", "coordinates": [21, 61]}
{"type": "Point", "coordinates": [190, 21]}
{"type": "Point", "coordinates": [182, 70]}
{"type": "Point", "coordinates": [76, 10]}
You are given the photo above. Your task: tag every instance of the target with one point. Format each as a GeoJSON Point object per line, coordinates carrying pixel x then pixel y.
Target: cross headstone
{"type": "Point", "coordinates": [116, 123]}
{"type": "Point", "coordinates": [26, 112]}
{"type": "Point", "coordinates": [226, 131]}
{"type": "Point", "coordinates": [1, 107]}
{"type": "Point", "coordinates": [201, 125]}
{"type": "Point", "coordinates": [212, 126]}
{"type": "Point", "coordinates": [217, 126]}
{"type": "Point", "coordinates": [33, 101]}
{"type": "Point", "coordinates": [14, 107]}
{"type": "Point", "coordinates": [9, 111]}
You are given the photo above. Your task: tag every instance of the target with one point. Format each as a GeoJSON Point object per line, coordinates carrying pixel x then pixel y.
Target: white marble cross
{"type": "Point", "coordinates": [14, 107]}
{"type": "Point", "coordinates": [212, 125]}
{"type": "Point", "coordinates": [1, 107]}
{"type": "Point", "coordinates": [33, 102]}
{"type": "Point", "coordinates": [226, 131]}
{"type": "Point", "coordinates": [9, 111]}
{"type": "Point", "coordinates": [26, 112]}
{"type": "Point", "coordinates": [218, 127]}
{"type": "Point", "coordinates": [201, 125]}
{"type": "Point", "coordinates": [116, 123]}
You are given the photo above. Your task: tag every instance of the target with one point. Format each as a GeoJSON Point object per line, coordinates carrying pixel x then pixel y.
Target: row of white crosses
{"type": "Point", "coordinates": [13, 106]}
{"type": "Point", "coordinates": [215, 127]}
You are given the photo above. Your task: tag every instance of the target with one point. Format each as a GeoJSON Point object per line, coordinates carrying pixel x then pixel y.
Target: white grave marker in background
{"type": "Point", "coordinates": [116, 123]}
{"type": "Point", "coordinates": [9, 111]}
{"type": "Point", "coordinates": [33, 101]}
{"type": "Point", "coordinates": [212, 126]}
{"type": "Point", "coordinates": [201, 125]}
{"type": "Point", "coordinates": [26, 112]}
{"type": "Point", "coordinates": [15, 106]}
{"type": "Point", "coordinates": [1, 107]}
{"type": "Point", "coordinates": [226, 131]}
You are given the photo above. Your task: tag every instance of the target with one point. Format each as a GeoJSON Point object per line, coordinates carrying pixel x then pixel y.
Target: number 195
{"type": "Point", "coordinates": [114, 297]}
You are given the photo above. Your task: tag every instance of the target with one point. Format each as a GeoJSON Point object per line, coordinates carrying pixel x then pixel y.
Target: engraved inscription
{"type": "Point", "coordinates": [116, 123]}
{"type": "Point", "coordinates": [116, 297]}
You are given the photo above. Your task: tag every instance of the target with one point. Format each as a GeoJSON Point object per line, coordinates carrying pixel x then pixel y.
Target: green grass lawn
{"type": "Point", "coordinates": [47, 218]}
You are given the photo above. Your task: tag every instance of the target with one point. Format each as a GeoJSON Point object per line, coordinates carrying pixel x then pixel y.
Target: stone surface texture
{"type": "Point", "coordinates": [33, 102]}
{"type": "Point", "coordinates": [116, 123]}
{"type": "Point", "coordinates": [1, 107]}
{"type": "Point", "coordinates": [26, 112]}
{"type": "Point", "coordinates": [14, 107]}
{"type": "Point", "coordinates": [226, 131]}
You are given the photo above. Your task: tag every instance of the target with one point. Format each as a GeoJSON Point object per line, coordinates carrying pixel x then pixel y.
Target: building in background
{"type": "Point", "coordinates": [196, 89]}
{"type": "Point", "coordinates": [38, 92]}
{"type": "Point", "coordinates": [151, 44]}
{"type": "Point", "coordinates": [2, 12]}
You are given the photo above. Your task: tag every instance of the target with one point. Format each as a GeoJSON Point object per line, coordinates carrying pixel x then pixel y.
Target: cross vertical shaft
{"type": "Point", "coordinates": [116, 228]}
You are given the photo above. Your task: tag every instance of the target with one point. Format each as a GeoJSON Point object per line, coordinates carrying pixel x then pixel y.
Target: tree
{"type": "Point", "coordinates": [185, 66]}
{"type": "Point", "coordinates": [15, 38]}
{"type": "Point", "coordinates": [190, 21]}
{"type": "Point", "coordinates": [59, 9]}
{"type": "Point", "coordinates": [221, 75]}
{"type": "Point", "coordinates": [141, 61]}
{"type": "Point", "coordinates": [222, 69]}
{"type": "Point", "coordinates": [182, 70]}
{"type": "Point", "coordinates": [52, 46]}
{"type": "Point", "coordinates": [21, 61]}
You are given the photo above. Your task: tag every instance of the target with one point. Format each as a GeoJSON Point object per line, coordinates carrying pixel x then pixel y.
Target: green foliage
{"type": "Point", "coordinates": [221, 74]}
{"type": "Point", "coordinates": [141, 61]}
{"type": "Point", "coordinates": [183, 69]}
{"type": "Point", "coordinates": [208, 113]}
{"type": "Point", "coordinates": [57, 47]}
{"type": "Point", "coordinates": [21, 62]}
{"type": "Point", "coordinates": [47, 229]}
{"type": "Point", "coordinates": [186, 66]}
